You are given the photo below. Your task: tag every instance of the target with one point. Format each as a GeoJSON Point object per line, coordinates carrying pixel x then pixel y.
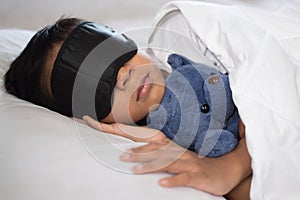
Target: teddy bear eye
{"type": "Point", "coordinates": [214, 79]}
{"type": "Point", "coordinates": [205, 108]}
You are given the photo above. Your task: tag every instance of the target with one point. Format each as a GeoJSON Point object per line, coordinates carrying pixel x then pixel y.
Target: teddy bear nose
{"type": "Point", "coordinates": [204, 108]}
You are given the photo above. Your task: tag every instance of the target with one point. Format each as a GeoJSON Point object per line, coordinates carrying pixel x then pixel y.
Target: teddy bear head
{"type": "Point", "coordinates": [197, 110]}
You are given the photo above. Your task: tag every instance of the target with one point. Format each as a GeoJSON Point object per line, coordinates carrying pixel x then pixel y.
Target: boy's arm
{"type": "Point", "coordinates": [214, 175]}
{"type": "Point", "coordinates": [135, 133]}
{"type": "Point", "coordinates": [242, 191]}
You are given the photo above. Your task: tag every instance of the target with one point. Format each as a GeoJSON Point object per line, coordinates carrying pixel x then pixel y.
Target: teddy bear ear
{"type": "Point", "coordinates": [176, 60]}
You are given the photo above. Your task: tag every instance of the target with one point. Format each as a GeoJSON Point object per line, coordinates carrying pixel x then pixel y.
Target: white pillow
{"type": "Point", "coordinates": [12, 42]}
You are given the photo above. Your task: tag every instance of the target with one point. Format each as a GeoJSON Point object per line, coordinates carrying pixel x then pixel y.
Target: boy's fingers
{"type": "Point", "coordinates": [153, 166]}
{"type": "Point", "coordinates": [108, 128]}
{"type": "Point", "coordinates": [93, 123]}
{"type": "Point", "coordinates": [79, 120]}
{"type": "Point", "coordinates": [138, 134]}
{"type": "Point", "coordinates": [175, 181]}
{"type": "Point", "coordinates": [100, 126]}
{"type": "Point", "coordinates": [170, 164]}
{"type": "Point", "coordinates": [139, 157]}
{"type": "Point", "coordinates": [153, 146]}
{"type": "Point", "coordinates": [159, 146]}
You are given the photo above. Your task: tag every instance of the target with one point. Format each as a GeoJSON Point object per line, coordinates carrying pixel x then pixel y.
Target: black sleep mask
{"type": "Point", "coordinates": [85, 70]}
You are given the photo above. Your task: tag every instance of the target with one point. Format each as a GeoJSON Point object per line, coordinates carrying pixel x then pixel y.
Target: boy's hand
{"type": "Point", "coordinates": [214, 175]}
{"type": "Point", "coordinates": [135, 133]}
{"type": "Point", "coordinates": [187, 168]}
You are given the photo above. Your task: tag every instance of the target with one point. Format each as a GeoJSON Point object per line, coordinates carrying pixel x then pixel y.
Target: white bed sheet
{"type": "Point", "coordinates": [259, 43]}
{"type": "Point", "coordinates": [44, 155]}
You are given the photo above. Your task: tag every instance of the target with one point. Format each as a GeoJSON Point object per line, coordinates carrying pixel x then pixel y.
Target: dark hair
{"type": "Point", "coordinates": [24, 79]}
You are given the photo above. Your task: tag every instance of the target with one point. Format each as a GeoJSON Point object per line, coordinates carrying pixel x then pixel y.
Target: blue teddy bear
{"type": "Point", "coordinates": [197, 110]}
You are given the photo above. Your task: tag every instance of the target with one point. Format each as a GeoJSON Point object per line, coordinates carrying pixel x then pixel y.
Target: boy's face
{"type": "Point", "coordinates": [140, 86]}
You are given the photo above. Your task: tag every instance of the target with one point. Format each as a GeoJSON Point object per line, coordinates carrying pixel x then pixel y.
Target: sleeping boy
{"type": "Point", "coordinates": [60, 69]}
{"type": "Point", "coordinates": [88, 69]}
{"type": "Point", "coordinates": [196, 111]}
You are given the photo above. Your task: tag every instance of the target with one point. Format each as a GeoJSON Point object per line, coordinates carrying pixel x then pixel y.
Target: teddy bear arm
{"type": "Point", "coordinates": [215, 143]}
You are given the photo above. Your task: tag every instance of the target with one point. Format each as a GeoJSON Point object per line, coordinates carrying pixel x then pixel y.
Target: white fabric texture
{"type": "Point", "coordinates": [44, 155]}
{"type": "Point", "coordinates": [258, 42]}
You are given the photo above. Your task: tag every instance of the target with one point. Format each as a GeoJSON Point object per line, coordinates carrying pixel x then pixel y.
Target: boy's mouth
{"type": "Point", "coordinates": [143, 88]}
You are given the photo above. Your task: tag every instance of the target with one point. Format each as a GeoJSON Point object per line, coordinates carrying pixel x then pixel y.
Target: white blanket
{"type": "Point", "coordinates": [259, 43]}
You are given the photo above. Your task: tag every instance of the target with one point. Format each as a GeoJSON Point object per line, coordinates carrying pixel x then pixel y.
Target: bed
{"type": "Point", "coordinates": [44, 155]}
